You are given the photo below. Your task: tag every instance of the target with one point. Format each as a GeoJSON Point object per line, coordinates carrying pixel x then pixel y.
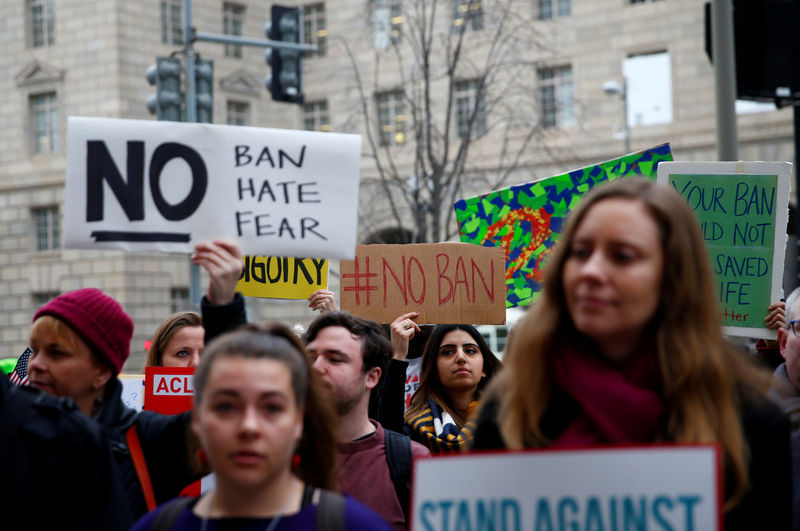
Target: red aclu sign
{"type": "Point", "coordinates": [168, 390]}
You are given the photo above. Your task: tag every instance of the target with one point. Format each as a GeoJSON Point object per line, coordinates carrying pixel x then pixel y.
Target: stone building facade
{"type": "Point", "coordinates": [63, 58]}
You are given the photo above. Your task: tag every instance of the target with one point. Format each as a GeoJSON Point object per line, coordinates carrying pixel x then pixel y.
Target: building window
{"type": "Point", "coordinates": [315, 116]}
{"type": "Point", "coordinates": [556, 96]}
{"type": "Point", "coordinates": [649, 88]}
{"type": "Point", "coordinates": [44, 114]}
{"type": "Point", "coordinates": [467, 104]}
{"type": "Point", "coordinates": [179, 299]}
{"type": "Point", "coordinates": [467, 15]}
{"type": "Point", "coordinates": [314, 29]}
{"type": "Point", "coordinates": [47, 228]}
{"type": "Point", "coordinates": [387, 20]}
{"type": "Point", "coordinates": [232, 22]}
{"type": "Point", "coordinates": [43, 297]}
{"type": "Point", "coordinates": [496, 337]}
{"type": "Point", "coordinates": [391, 118]}
{"type": "Point", "coordinates": [171, 22]}
{"type": "Point", "coordinates": [553, 8]}
{"type": "Point", "coordinates": [42, 20]}
{"type": "Point", "coordinates": [237, 113]}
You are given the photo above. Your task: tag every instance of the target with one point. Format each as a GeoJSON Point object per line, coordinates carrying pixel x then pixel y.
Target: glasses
{"type": "Point", "coordinates": [791, 325]}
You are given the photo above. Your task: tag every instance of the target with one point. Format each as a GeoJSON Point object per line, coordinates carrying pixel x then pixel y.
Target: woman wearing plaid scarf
{"type": "Point", "coordinates": [456, 365]}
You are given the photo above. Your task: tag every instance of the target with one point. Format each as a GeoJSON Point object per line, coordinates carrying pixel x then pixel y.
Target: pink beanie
{"type": "Point", "coordinates": [98, 319]}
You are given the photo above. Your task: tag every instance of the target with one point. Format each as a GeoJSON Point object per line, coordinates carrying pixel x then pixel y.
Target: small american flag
{"type": "Point", "coordinates": [19, 375]}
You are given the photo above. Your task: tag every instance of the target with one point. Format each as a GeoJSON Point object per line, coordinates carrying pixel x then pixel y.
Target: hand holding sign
{"type": "Point", "coordinates": [222, 259]}
{"type": "Point", "coordinates": [402, 330]}
{"type": "Point", "coordinates": [322, 301]}
{"type": "Point", "coordinates": [776, 318]}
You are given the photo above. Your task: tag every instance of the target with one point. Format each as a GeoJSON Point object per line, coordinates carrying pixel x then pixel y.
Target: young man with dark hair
{"type": "Point", "coordinates": [350, 353]}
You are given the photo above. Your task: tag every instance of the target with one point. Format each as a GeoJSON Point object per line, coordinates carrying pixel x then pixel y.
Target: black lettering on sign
{"type": "Point", "coordinates": [162, 155]}
{"type": "Point", "coordinates": [100, 166]}
{"type": "Point", "coordinates": [243, 157]}
{"type": "Point", "coordinates": [260, 269]}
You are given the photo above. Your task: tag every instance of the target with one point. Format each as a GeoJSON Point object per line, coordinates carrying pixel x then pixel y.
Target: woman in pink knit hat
{"type": "Point", "coordinates": [80, 341]}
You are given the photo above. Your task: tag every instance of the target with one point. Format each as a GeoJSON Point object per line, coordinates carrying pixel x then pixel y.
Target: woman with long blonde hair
{"type": "Point", "coordinates": [625, 347]}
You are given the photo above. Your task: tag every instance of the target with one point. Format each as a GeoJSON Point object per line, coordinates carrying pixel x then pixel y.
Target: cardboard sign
{"type": "Point", "coordinates": [444, 282]}
{"type": "Point", "coordinates": [132, 390]}
{"type": "Point", "coordinates": [168, 390]}
{"type": "Point", "coordinates": [526, 220]}
{"type": "Point", "coordinates": [743, 210]}
{"type": "Point", "coordinates": [280, 277]}
{"type": "Point", "coordinates": [653, 487]}
{"type": "Point", "coordinates": [145, 185]}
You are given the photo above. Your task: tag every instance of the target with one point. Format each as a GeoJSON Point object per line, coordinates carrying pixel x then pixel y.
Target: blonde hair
{"type": "Point", "coordinates": [63, 333]}
{"type": "Point", "coordinates": [699, 369]}
{"type": "Point", "coordinates": [69, 338]}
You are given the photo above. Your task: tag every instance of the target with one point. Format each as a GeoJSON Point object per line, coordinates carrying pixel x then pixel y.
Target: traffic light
{"type": "Point", "coordinates": [204, 88]}
{"type": "Point", "coordinates": [166, 76]}
{"type": "Point", "coordinates": [766, 49]}
{"type": "Point", "coordinates": [285, 81]}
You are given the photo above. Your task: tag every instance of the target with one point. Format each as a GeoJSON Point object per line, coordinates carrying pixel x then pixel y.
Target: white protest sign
{"type": "Point", "coordinates": [132, 390]}
{"type": "Point", "coordinates": [653, 487]}
{"type": "Point", "coordinates": [165, 186]}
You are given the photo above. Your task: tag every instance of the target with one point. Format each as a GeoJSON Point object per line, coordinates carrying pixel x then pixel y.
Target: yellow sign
{"type": "Point", "coordinates": [281, 277]}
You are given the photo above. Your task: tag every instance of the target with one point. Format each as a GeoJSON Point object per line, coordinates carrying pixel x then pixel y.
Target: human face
{"type": "Point", "coordinates": [60, 367]}
{"type": "Point", "coordinates": [789, 344]}
{"type": "Point", "coordinates": [248, 422]}
{"type": "Point", "coordinates": [459, 362]}
{"type": "Point", "coordinates": [337, 355]}
{"type": "Point", "coordinates": [184, 347]}
{"type": "Point", "coordinates": [612, 275]}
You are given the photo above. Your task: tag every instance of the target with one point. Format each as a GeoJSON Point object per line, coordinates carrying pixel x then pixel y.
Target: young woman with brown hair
{"type": "Point", "coordinates": [456, 366]}
{"type": "Point", "coordinates": [267, 431]}
{"type": "Point", "coordinates": [625, 347]}
{"type": "Point", "coordinates": [178, 341]}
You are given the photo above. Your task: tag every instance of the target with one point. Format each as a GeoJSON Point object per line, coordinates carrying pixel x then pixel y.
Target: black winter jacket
{"type": "Point", "coordinates": [56, 468]}
{"type": "Point", "coordinates": [165, 444]}
{"type": "Point", "coordinates": [768, 502]}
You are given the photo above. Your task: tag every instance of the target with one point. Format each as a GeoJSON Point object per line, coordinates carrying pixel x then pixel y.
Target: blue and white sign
{"type": "Point", "coordinates": [613, 489]}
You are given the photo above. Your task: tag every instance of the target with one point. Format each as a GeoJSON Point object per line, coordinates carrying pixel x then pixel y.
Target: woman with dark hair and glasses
{"type": "Point", "coordinates": [266, 428]}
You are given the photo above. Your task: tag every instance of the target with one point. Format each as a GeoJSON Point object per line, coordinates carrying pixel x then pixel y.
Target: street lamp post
{"type": "Point", "coordinates": [613, 88]}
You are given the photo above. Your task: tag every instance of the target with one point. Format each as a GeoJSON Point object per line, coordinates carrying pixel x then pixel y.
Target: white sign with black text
{"type": "Point", "coordinates": [165, 186]}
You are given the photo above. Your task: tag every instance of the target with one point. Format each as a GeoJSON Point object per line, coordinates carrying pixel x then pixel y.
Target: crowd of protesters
{"type": "Point", "coordinates": [623, 348]}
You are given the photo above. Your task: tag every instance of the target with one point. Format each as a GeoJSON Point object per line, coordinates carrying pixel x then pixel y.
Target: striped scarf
{"type": "Point", "coordinates": [436, 429]}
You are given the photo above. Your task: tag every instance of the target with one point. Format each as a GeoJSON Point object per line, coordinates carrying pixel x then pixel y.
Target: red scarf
{"type": "Point", "coordinates": [618, 405]}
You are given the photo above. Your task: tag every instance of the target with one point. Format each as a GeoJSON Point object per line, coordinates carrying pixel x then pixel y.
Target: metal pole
{"type": "Point", "coordinates": [625, 110]}
{"type": "Point", "coordinates": [724, 77]}
{"type": "Point", "coordinates": [191, 116]}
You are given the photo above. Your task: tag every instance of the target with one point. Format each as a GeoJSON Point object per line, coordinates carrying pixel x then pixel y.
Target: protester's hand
{"type": "Point", "coordinates": [222, 258]}
{"type": "Point", "coordinates": [776, 318]}
{"type": "Point", "coordinates": [323, 301]}
{"type": "Point", "coordinates": [402, 330]}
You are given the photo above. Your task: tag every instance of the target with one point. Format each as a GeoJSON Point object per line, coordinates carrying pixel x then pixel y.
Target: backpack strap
{"type": "Point", "coordinates": [168, 514]}
{"type": "Point", "coordinates": [330, 511]}
{"type": "Point", "coordinates": [135, 449]}
{"type": "Point", "coordinates": [398, 457]}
